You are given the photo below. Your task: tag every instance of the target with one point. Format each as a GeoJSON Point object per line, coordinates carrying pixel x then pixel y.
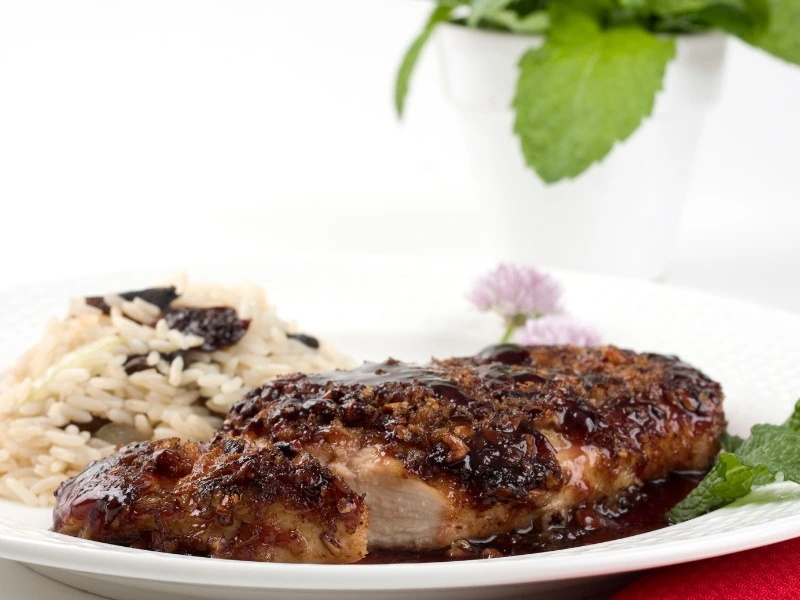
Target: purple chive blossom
{"type": "Point", "coordinates": [557, 329]}
{"type": "Point", "coordinates": [514, 290]}
{"type": "Point", "coordinates": [517, 293]}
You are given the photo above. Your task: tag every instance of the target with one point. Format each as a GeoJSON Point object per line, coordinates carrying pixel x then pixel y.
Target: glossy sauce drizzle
{"type": "Point", "coordinates": [393, 371]}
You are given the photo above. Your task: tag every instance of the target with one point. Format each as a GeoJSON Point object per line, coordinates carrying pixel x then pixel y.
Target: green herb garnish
{"type": "Point", "coordinates": [771, 451]}
{"type": "Point", "coordinates": [730, 442]}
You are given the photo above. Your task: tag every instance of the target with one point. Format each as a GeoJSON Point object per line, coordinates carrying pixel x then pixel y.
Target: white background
{"type": "Point", "coordinates": [146, 132]}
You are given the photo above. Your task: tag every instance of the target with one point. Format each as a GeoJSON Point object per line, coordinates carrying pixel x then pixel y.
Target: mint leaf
{"type": "Point", "coordinates": [677, 7]}
{"type": "Point", "coordinates": [732, 20]}
{"type": "Point", "coordinates": [740, 17]}
{"type": "Point", "coordinates": [598, 10]}
{"type": "Point", "coordinates": [793, 422]}
{"type": "Point", "coordinates": [774, 446]}
{"type": "Point", "coordinates": [727, 481]}
{"type": "Point", "coordinates": [536, 22]}
{"type": "Point", "coordinates": [484, 8]}
{"type": "Point", "coordinates": [499, 14]}
{"type": "Point", "coordinates": [770, 450]}
{"type": "Point", "coordinates": [782, 36]}
{"type": "Point", "coordinates": [585, 90]}
{"type": "Point", "coordinates": [440, 13]}
{"type": "Point", "coordinates": [730, 443]}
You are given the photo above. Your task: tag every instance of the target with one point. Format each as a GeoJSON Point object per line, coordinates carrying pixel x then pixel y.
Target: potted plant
{"type": "Point", "coordinates": [563, 114]}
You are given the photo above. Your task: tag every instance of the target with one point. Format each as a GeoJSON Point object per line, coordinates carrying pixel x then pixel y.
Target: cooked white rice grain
{"type": "Point", "coordinates": [186, 398]}
{"type": "Point", "coordinates": [137, 406]}
{"type": "Point", "coordinates": [23, 493]}
{"type": "Point", "coordinates": [63, 439]}
{"type": "Point", "coordinates": [72, 376]}
{"type": "Point", "coordinates": [161, 433]}
{"type": "Point", "coordinates": [23, 433]}
{"type": "Point", "coordinates": [155, 398]}
{"type": "Point", "coordinates": [162, 346]}
{"type": "Point", "coordinates": [107, 383]}
{"type": "Point", "coordinates": [120, 416]}
{"type": "Point", "coordinates": [97, 406]}
{"type": "Point", "coordinates": [68, 456]}
{"type": "Point", "coordinates": [199, 358]}
{"type": "Point", "coordinates": [75, 415]}
{"type": "Point", "coordinates": [47, 483]}
{"type": "Point", "coordinates": [212, 380]}
{"type": "Point", "coordinates": [143, 426]}
{"type": "Point", "coordinates": [231, 367]}
{"type": "Point", "coordinates": [153, 381]}
{"type": "Point", "coordinates": [190, 375]}
{"type": "Point", "coordinates": [154, 412]}
{"type": "Point", "coordinates": [231, 385]}
{"type": "Point", "coordinates": [175, 372]}
{"type": "Point", "coordinates": [30, 409]}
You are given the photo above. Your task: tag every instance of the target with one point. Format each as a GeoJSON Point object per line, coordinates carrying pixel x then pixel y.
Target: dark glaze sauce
{"type": "Point", "coordinates": [645, 511]}
{"type": "Point", "coordinates": [393, 371]}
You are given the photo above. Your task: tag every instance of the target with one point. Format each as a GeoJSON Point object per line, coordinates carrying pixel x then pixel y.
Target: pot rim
{"type": "Point", "coordinates": [705, 35]}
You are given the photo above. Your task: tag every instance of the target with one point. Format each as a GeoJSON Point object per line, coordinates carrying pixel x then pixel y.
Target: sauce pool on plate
{"type": "Point", "coordinates": [645, 511]}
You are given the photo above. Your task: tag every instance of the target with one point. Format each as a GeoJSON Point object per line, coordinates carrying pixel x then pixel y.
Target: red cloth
{"type": "Point", "coordinates": [769, 573]}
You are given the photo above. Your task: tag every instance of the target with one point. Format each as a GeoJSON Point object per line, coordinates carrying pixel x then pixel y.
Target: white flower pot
{"type": "Point", "coordinates": [622, 215]}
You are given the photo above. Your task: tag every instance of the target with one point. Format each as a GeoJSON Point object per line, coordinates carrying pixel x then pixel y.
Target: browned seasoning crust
{"type": "Point", "coordinates": [232, 499]}
{"type": "Point", "coordinates": [493, 423]}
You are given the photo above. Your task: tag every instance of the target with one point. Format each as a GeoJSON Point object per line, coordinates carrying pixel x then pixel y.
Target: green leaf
{"type": "Point", "coordinates": [676, 7]}
{"type": "Point", "coordinates": [740, 17]}
{"type": "Point", "coordinates": [526, 7]}
{"type": "Point", "coordinates": [484, 8]}
{"type": "Point", "coordinates": [770, 450]}
{"type": "Point", "coordinates": [730, 443]}
{"type": "Point", "coordinates": [793, 422]}
{"type": "Point", "coordinates": [440, 13]}
{"type": "Point", "coordinates": [534, 23]}
{"type": "Point", "coordinates": [680, 24]}
{"type": "Point", "coordinates": [726, 482]}
{"type": "Point", "coordinates": [728, 19]}
{"type": "Point", "coordinates": [774, 446]}
{"type": "Point", "coordinates": [759, 13]}
{"type": "Point", "coordinates": [782, 36]}
{"type": "Point", "coordinates": [585, 90]}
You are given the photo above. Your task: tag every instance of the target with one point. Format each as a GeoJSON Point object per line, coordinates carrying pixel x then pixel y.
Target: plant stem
{"type": "Point", "coordinates": [512, 327]}
{"type": "Point", "coordinates": [513, 323]}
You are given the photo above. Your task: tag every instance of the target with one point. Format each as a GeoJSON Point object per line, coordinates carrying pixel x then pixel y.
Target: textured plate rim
{"type": "Point", "coordinates": [537, 568]}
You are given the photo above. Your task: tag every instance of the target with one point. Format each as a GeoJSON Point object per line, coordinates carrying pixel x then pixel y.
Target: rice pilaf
{"type": "Point", "coordinates": [96, 380]}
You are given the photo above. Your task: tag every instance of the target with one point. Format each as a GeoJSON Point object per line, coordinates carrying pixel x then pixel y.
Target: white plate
{"type": "Point", "coordinates": [411, 310]}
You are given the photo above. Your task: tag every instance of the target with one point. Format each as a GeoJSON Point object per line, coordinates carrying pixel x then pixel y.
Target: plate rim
{"type": "Point", "coordinates": [524, 569]}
